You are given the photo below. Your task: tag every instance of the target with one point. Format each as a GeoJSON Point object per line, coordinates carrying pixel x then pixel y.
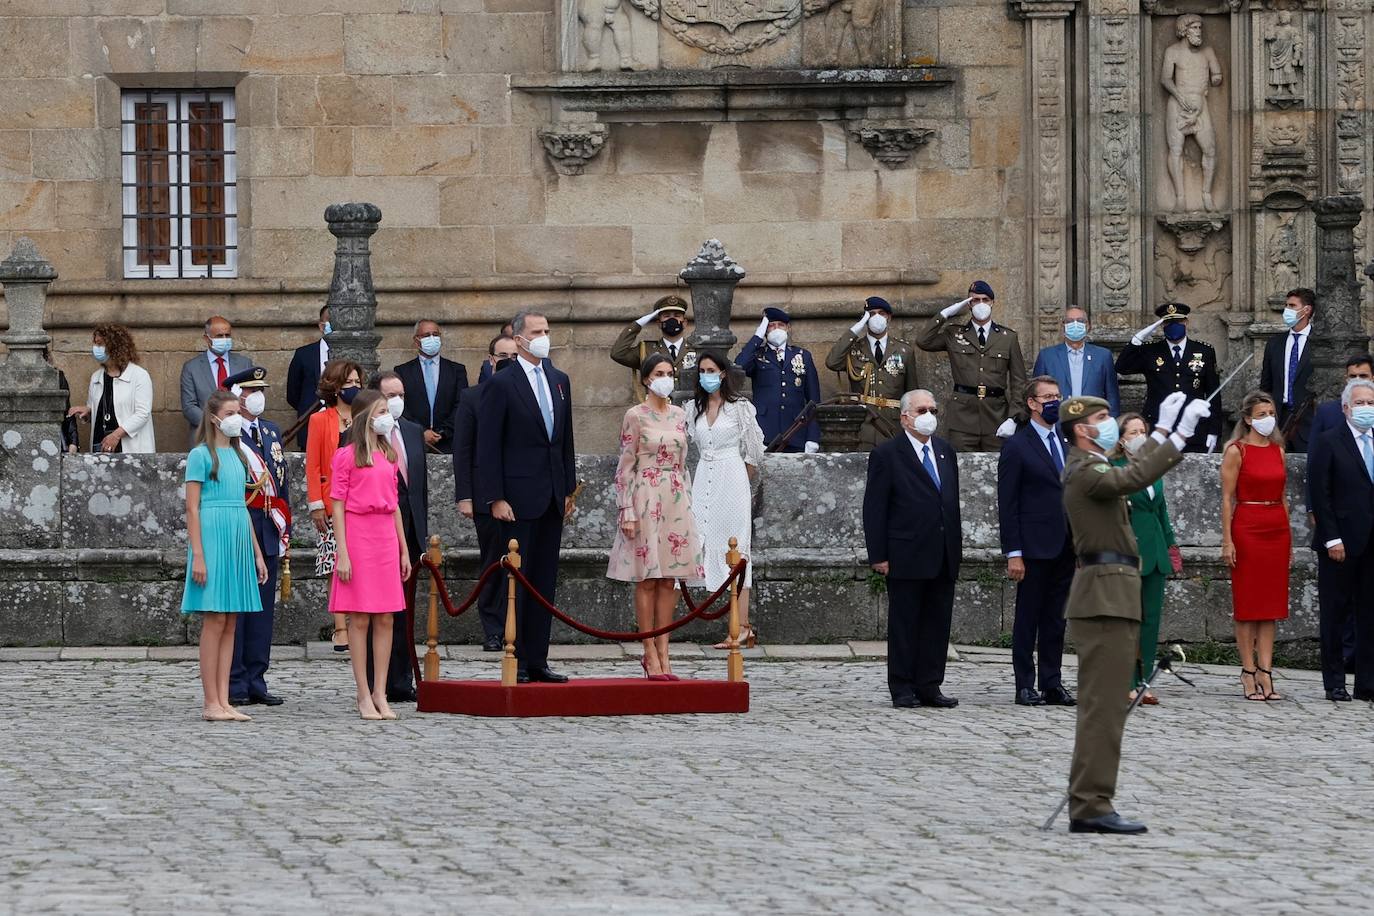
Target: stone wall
{"type": "Point", "coordinates": [92, 551]}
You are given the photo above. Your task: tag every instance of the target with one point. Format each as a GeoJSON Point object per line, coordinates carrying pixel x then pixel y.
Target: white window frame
{"type": "Point", "coordinates": [179, 263]}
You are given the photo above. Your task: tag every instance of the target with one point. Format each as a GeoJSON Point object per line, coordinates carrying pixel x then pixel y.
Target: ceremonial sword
{"type": "Point", "coordinates": [1226, 381]}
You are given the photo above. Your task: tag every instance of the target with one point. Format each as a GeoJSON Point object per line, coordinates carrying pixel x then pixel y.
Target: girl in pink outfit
{"type": "Point", "coordinates": [372, 562]}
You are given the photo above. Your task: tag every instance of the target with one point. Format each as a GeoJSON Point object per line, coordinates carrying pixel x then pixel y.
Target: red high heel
{"type": "Point", "coordinates": [644, 663]}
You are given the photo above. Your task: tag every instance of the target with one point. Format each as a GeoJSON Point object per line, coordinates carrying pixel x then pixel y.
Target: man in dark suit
{"type": "Point", "coordinates": [526, 474]}
{"type": "Point", "coordinates": [1079, 367]}
{"type": "Point", "coordinates": [1287, 369]}
{"type": "Point", "coordinates": [784, 380]}
{"type": "Point", "coordinates": [1176, 363]}
{"type": "Point", "coordinates": [490, 606]}
{"type": "Point", "coordinates": [1035, 539]}
{"type": "Point", "coordinates": [433, 385]}
{"type": "Point", "coordinates": [915, 539]}
{"type": "Point", "coordinates": [412, 484]}
{"type": "Point", "coordinates": [1341, 480]}
{"type": "Point", "coordinates": [303, 375]}
{"type": "Point", "coordinates": [269, 508]}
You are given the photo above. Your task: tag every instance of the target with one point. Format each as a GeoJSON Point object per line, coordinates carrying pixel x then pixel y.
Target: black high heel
{"type": "Point", "coordinates": [1256, 693]}
{"type": "Point", "coordinates": [1271, 693]}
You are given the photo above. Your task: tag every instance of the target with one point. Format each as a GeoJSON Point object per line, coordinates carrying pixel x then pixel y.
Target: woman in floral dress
{"type": "Point", "coordinates": [657, 543]}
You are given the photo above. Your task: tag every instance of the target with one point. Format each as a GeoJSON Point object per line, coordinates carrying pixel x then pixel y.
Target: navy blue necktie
{"type": "Point", "coordinates": [1292, 368]}
{"type": "Point", "coordinates": [930, 466]}
{"type": "Point", "coordinates": [1054, 453]}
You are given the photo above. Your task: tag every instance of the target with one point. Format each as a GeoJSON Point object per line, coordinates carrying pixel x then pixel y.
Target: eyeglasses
{"type": "Point", "coordinates": [1045, 398]}
{"type": "Point", "coordinates": [917, 411]}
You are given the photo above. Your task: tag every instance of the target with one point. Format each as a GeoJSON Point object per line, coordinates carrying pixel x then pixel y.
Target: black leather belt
{"type": "Point", "coordinates": [1108, 557]}
{"type": "Point", "coordinates": [981, 391]}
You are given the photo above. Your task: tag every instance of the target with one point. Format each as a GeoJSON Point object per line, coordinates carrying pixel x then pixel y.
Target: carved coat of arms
{"type": "Point", "coordinates": [730, 26]}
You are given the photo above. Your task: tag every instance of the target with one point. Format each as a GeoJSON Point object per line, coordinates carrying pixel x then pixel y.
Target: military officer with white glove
{"type": "Point", "coordinates": [877, 368]}
{"type": "Point", "coordinates": [1176, 363]}
{"type": "Point", "coordinates": [670, 312]}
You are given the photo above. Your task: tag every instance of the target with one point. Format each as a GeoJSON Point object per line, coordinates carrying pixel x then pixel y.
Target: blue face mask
{"type": "Point", "coordinates": [710, 381]}
{"type": "Point", "coordinates": [1107, 434]}
{"type": "Point", "coordinates": [430, 345]}
{"type": "Point", "coordinates": [1290, 317]}
{"type": "Point", "coordinates": [99, 354]}
{"type": "Point", "coordinates": [1362, 417]}
{"type": "Point", "coordinates": [328, 329]}
{"type": "Point", "coordinates": [348, 394]}
{"type": "Point", "coordinates": [222, 345]}
{"type": "Point", "coordinates": [1076, 330]}
{"type": "Point", "coordinates": [1175, 330]}
{"type": "Point", "coordinates": [1049, 411]}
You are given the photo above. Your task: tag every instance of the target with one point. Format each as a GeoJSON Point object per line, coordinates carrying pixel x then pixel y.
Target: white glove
{"type": "Point", "coordinates": [811, 448]}
{"type": "Point", "coordinates": [952, 310]}
{"type": "Point", "coordinates": [1007, 429]}
{"type": "Point", "coordinates": [1211, 442]}
{"type": "Point", "coordinates": [1169, 410]}
{"type": "Point", "coordinates": [644, 322]}
{"type": "Point", "coordinates": [1145, 333]}
{"type": "Point", "coordinates": [859, 326]}
{"type": "Point", "coordinates": [1197, 409]}
{"type": "Point", "coordinates": [762, 332]}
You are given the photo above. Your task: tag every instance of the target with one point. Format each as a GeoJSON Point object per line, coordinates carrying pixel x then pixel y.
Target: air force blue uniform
{"type": "Point", "coordinates": [784, 381]}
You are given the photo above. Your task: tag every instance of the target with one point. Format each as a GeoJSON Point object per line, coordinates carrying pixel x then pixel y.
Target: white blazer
{"type": "Point", "coordinates": [133, 404]}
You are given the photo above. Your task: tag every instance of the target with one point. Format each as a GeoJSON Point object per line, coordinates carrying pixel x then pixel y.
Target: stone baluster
{"type": "Point", "coordinates": [712, 277]}
{"type": "Point", "coordinates": [352, 297]}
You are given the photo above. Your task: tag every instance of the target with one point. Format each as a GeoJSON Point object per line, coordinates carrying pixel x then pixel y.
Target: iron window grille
{"type": "Point", "coordinates": [179, 170]}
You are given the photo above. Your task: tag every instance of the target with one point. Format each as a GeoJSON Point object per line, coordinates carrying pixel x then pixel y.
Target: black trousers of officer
{"type": "Point", "coordinates": [919, 612]}
{"type": "Point", "coordinates": [253, 640]}
{"type": "Point", "coordinates": [399, 678]}
{"type": "Point", "coordinates": [491, 604]}
{"type": "Point", "coordinates": [1344, 591]}
{"type": "Point", "coordinates": [1038, 627]}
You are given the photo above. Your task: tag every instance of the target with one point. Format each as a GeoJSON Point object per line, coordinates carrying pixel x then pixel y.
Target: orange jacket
{"type": "Point", "coordinates": [322, 441]}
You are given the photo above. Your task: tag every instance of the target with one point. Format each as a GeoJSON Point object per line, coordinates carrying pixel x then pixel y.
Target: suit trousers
{"type": "Point", "coordinates": [540, 541]}
{"type": "Point", "coordinates": [1039, 621]}
{"type": "Point", "coordinates": [399, 678]}
{"type": "Point", "coordinates": [972, 442]}
{"type": "Point", "coordinates": [918, 620]}
{"type": "Point", "coordinates": [1106, 655]}
{"type": "Point", "coordinates": [1151, 612]}
{"type": "Point", "coordinates": [491, 604]}
{"type": "Point", "coordinates": [253, 640]}
{"type": "Point", "coordinates": [1345, 591]}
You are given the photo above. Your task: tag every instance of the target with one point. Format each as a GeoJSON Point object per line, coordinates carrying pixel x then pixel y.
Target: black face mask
{"type": "Point", "coordinates": [348, 394]}
{"type": "Point", "coordinates": [671, 328]}
{"type": "Point", "coordinates": [502, 363]}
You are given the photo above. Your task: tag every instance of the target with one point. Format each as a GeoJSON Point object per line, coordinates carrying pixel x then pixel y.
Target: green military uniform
{"type": "Point", "coordinates": [1155, 535]}
{"type": "Point", "coordinates": [1103, 609]}
{"type": "Point", "coordinates": [631, 352]}
{"type": "Point", "coordinates": [879, 384]}
{"type": "Point", "coordinates": [989, 379]}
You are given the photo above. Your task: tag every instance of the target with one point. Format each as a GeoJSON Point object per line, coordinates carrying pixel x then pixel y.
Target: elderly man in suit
{"type": "Point", "coordinates": [412, 485]}
{"type": "Point", "coordinates": [205, 372]}
{"type": "Point", "coordinates": [915, 539]}
{"type": "Point", "coordinates": [1079, 367]}
{"type": "Point", "coordinates": [1341, 478]}
{"type": "Point", "coordinates": [1035, 540]}
{"type": "Point", "coordinates": [526, 474]}
{"type": "Point", "coordinates": [303, 375]}
{"type": "Point", "coordinates": [784, 380]}
{"type": "Point", "coordinates": [1287, 369]}
{"type": "Point", "coordinates": [433, 385]}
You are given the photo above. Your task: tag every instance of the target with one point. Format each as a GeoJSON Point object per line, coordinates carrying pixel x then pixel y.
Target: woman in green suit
{"type": "Point", "coordinates": [1158, 553]}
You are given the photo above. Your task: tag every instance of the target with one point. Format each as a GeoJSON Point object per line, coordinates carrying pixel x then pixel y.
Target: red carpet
{"type": "Point", "coordinates": [601, 696]}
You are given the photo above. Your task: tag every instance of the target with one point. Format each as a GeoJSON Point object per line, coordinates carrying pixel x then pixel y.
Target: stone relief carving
{"type": "Point", "coordinates": [731, 26]}
{"type": "Point", "coordinates": [1283, 172]}
{"type": "Point", "coordinates": [571, 146]}
{"type": "Point", "coordinates": [857, 31]}
{"type": "Point", "coordinates": [1189, 69]}
{"type": "Point", "coordinates": [1283, 42]}
{"type": "Point", "coordinates": [602, 20]}
{"type": "Point", "coordinates": [1285, 257]}
{"type": "Point", "coordinates": [890, 144]}
{"type": "Point", "coordinates": [1113, 85]}
{"type": "Point", "coordinates": [1197, 277]}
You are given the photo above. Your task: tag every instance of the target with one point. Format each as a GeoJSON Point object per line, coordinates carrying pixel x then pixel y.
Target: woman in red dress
{"type": "Point", "coordinates": [1256, 540]}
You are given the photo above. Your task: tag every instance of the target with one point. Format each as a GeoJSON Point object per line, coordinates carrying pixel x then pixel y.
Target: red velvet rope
{"type": "Point", "coordinates": [438, 580]}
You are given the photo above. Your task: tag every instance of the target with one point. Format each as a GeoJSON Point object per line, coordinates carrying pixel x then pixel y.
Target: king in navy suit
{"type": "Point", "coordinates": [1080, 368]}
{"type": "Point", "coordinates": [269, 502]}
{"type": "Point", "coordinates": [1035, 539]}
{"type": "Point", "coordinates": [784, 380]}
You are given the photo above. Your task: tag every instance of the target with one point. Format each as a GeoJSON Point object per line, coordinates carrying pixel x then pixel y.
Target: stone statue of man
{"type": "Point", "coordinates": [596, 17]}
{"type": "Point", "coordinates": [1189, 70]}
{"type": "Point", "coordinates": [1285, 54]}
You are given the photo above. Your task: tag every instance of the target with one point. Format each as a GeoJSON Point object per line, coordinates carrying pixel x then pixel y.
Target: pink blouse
{"type": "Point", "coordinates": [364, 490]}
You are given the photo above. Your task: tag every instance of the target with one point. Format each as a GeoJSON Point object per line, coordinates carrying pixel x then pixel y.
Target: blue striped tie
{"type": "Point", "coordinates": [544, 407]}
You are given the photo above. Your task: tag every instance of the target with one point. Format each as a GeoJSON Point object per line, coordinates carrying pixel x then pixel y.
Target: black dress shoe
{"type": "Point", "coordinates": [265, 699]}
{"type": "Point", "coordinates": [938, 701]}
{"type": "Point", "coordinates": [1364, 695]}
{"type": "Point", "coordinates": [1027, 696]}
{"type": "Point", "coordinates": [547, 675]}
{"type": "Point", "coordinates": [401, 696]}
{"type": "Point", "coordinates": [238, 701]}
{"type": "Point", "coordinates": [1338, 695]}
{"type": "Point", "coordinates": [492, 644]}
{"type": "Point", "coordinates": [1058, 696]}
{"type": "Point", "coordinates": [1107, 823]}
{"type": "Point", "coordinates": [905, 702]}
{"type": "Point", "coordinates": [522, 677]}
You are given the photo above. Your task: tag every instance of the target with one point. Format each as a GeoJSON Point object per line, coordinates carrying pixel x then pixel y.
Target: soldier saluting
{"type": "Point", "coordinates": [1176, 363]}
{"type": "Point", "coordinates": [877, 368]}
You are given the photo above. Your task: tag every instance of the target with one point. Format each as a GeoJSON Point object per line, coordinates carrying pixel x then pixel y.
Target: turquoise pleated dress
{"type": "Point", "coordinates": [226, 535]}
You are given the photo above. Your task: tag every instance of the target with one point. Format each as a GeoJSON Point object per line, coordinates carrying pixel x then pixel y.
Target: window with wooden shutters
{"type": "Point", "coordinates": [179, 170]}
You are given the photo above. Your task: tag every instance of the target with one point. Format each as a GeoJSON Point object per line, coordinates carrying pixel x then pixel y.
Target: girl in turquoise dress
{"type": "Point", "coordinates": [224, 565]}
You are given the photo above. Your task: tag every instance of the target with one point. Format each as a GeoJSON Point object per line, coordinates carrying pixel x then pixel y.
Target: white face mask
{"type": "Point", "coordinates": [395, 405]}
{"type": "Point", "coordinates": [1134, 445]}
{"type": "Point", "coordinates": [231, 426]}
{"type": "Point", "coordinates": [1264, 425]}
{"type": "Point", "coordinates": [662, 386]}
{"type": "Point", "coordinates": [878, 325]}
{"type": "Point", "coordinates": [539, 347]}
{"type": "Point", "coordinates": [981, 312]}
{"type": "Point", "coordinates": [925, 424]}
{"type": "Point", "coordinates": [383, 424]}
{"type": "Point", "coordinates": [256, 402]}
{"type": "Point", "coordinates": [777, 337]}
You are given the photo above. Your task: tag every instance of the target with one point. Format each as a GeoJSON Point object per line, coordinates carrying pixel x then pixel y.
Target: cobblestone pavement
{"type": "Point", "coordinates": [115, 798]}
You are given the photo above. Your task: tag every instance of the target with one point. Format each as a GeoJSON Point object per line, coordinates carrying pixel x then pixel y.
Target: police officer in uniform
{"type": "Point", "coordinates": [987, 369]}
{"type": "Point", "coordinates": [1103, 609]}
{"type": "Point", "coordinates": [671, 314]}
{"type": "Point", "coordinates": [784, 379]}
{"type": "Point", "coordinates": [878, 369]}
{"type": "Point", "coordinates": [269, 509]}
{"type": "Point", "coordinates": [1176, 363]}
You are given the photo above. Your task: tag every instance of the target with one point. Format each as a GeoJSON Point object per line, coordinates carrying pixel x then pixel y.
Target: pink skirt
{"type": "Point", "coordinates": [376, 586]}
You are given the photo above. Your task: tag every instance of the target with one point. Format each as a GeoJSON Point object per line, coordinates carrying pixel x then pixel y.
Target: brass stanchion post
{"type": "Point", "coordinates": [734, 665]}
{"type": "Point", "coordinates": [508, 660]}
{"type": "Point", "coordinates": [432, 628]}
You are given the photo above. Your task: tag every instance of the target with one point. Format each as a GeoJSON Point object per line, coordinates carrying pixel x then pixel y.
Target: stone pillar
{"type": "Point", "coordinates": [352, 297]}
{"type": "Point", "coordinates": [32, 405]}
{"type": "Point", "coordinates": [1339, 329]}
{"type": "Point", "coordinates": [712, 277]}
{"type": "Point", "coordinates": [1047, 160]}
